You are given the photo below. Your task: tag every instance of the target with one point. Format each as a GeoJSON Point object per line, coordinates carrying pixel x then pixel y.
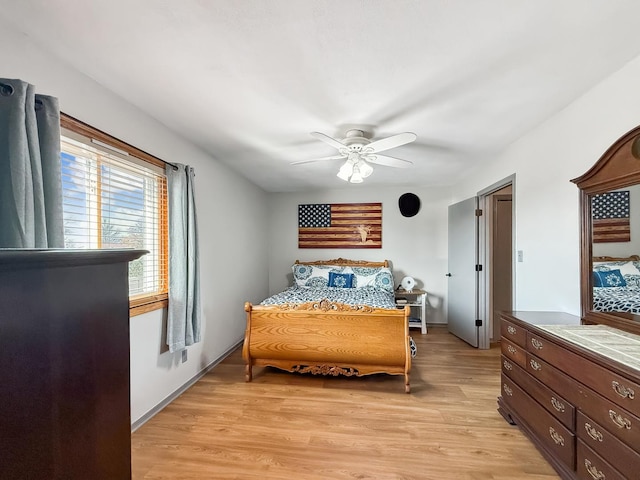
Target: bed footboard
{"type": "Point", "coordinates": [328, 338]}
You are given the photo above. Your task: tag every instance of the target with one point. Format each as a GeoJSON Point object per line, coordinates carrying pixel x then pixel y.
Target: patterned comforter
{"type": "Point", "coordinates": [372, 296]}
{"type": "Point", "coordinates": [616, 299]}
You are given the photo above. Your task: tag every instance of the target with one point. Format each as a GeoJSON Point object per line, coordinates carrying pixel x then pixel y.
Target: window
{"type": "Point", "coordinates": [115, 196]}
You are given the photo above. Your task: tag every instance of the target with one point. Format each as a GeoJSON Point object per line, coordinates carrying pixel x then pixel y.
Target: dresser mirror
{"type": "Point", "coordinates": [610, 236]}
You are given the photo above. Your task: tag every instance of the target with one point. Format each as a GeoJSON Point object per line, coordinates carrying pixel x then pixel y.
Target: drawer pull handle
{"type": "Point", "coordinates": [511, 349]}
{"type": "Point", "coordinates": [592, 432]}
{"type": "Point", "coordinates": [557, 404]}
{"type": "Point", "coordinates": [537, 344]}
{"type": "Point", "coordinates": [507, 390]}
{"type": "Point", "coordinates": [507, 365]}
{"type": "Point", "coordinates": [535, 365]}
{"type": "Point", "coordinates": [593, 471]}
{"type": "Point", "coordinates": [624, 392]}
{"type": "Point", "coordinates": [556, 437]}
{"type": "Point", "coordinates": [512, 330]}
{"type": "Point", "coordinates": [619, 420]}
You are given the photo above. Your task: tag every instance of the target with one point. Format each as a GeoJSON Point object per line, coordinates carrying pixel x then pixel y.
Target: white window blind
{"type": "Point", "coordinates": [113, 200]}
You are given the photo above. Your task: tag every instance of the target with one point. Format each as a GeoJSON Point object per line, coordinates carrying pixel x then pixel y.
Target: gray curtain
{"type": "Point", "coordinates": [30, 180]}
{"type": "Point", "coordinates": [183, 320]}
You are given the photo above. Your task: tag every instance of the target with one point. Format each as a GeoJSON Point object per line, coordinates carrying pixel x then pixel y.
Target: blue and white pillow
{"type": "Point", "coordinates": [340, 280]}
{"type": "Point", "coordinates": [379, 277]}
{"type": "Point", "coordinates": [313, 275]}
{"type": "Point", "coordinates": [630, 270]}
{"type": "Point", "coordinates": [608, 278]}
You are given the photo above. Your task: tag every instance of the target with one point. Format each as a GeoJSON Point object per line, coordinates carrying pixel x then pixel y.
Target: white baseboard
{"type": "Point", "coordinates": [175, 394]}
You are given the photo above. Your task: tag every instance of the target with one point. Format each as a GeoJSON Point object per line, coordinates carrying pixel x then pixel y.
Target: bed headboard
{"type": "Point", "coordinates": [632, 258]}
{"type": "Point", "coordinates": [343, 262]}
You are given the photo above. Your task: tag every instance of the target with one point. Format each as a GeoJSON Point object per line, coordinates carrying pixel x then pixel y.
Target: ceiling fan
{"type": "Point", "coordinates": [360, 151]}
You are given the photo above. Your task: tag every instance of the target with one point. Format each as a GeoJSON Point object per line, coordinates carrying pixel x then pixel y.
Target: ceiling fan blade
{"type": "Point", "coordinates": [327, 139]}
{"type": "Point", "coordinates": [391, 142]}
{"type": "Point", "coordinates": [334, 157]}
{"type": "Point", "coordinates": [388, 161]}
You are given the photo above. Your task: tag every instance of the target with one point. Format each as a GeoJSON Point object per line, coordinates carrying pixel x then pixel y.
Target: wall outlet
{"type": "Point", "coordinates": [184, 355]}
{"type": "Point", "coordinates": [520, 256]}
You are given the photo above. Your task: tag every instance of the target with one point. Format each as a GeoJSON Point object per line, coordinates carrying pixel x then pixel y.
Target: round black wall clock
{"type": "Point", "coordinates": [409, 204]}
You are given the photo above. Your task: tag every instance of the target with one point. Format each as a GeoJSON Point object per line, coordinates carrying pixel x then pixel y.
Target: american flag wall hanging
{"type": "Point", "coordinates": [610, 217]}
{"type": "Point", "coordinates": [340, 225]}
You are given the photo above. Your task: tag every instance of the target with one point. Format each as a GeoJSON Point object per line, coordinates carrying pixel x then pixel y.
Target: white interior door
{"type": "Point", "coordinates": [462, 306]}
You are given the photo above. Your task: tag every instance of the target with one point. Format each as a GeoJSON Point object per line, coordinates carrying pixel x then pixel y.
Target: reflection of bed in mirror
{"type": "Point", "coordinates": [616, 284]}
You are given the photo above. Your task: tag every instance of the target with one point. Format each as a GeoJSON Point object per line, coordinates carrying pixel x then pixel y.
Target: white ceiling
{"type": "Point", "coordinates": [247, 80]}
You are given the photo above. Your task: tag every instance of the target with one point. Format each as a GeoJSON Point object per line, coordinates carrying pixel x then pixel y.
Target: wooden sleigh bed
{"type": "Point", "coordinates": [328, 337]}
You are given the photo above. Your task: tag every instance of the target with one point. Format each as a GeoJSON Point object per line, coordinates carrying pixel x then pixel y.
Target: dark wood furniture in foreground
{"type": "Point", "coordinates": [64, 364]}
{"type": "Point", "coordinates": [574, 390]}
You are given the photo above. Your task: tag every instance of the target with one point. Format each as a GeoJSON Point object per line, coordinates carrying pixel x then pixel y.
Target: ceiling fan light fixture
{"type": "Point", "coordinates": [359, 151]}
{"type": "Point", "coordinates": [365, 169]}
{"type": "Point", "coordinates": [356, 177]}
{"type": "Point", "coordinates": [346, 171]}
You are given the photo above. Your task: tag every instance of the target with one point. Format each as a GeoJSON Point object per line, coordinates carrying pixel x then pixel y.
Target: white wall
{"type": "Point", "coordinates": [546, 202]}
{"type": "Point", "coordinates": [232, 217]}
{"type": "Point", "coordinates": [416, 246]}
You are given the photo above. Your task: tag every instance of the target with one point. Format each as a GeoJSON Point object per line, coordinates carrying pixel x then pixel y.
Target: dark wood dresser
{"type": "Point", "coordinates": [64, 364]}
{"type": "Point", "coordinates": [574, 390]}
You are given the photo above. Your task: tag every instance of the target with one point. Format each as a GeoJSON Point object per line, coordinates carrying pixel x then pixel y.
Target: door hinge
{"type": "Point", "coordinates": [478, 268]}
{"type": "Point", "coordinates": [478, 323]}
{"type": "Point", "coordinates": [478, 212]}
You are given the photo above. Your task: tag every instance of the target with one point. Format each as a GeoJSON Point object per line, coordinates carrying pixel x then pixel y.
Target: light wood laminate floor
{"type": "Point", "coordinates": [303, 427]}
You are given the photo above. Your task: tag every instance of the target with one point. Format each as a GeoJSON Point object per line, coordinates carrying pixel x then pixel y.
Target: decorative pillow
{"type": "Point", "coordinates": [340, 280]}
{"type": "Point", "coordinates": [608, 278]}
{"type": "Point", "coordinates": [313, 275]}
{"type": "Point", "coordinates": [630, 270]}
{"type": "Point", "coordinates": [626, 268]}
{"type": "Point", "coordinates": [380, 277]}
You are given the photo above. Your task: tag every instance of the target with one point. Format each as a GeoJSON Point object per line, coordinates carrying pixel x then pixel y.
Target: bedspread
{"type": "Point", "coordinates": [372, 296]}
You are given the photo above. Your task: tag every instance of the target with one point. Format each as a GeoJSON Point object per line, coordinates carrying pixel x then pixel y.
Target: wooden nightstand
{"type": "Point", "coordinates": [417, 300]}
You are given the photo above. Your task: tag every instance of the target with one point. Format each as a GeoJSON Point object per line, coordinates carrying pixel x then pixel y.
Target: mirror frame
{"type": "Point", "coordinates": [617, 168]}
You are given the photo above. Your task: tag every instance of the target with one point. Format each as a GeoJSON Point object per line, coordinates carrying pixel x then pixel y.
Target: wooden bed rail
{"type": "Point", "coordinates": [328, 338]}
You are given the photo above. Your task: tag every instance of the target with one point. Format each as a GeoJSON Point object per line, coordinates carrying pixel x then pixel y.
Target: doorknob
{"type": "Point", "coordinates": [448, 275]}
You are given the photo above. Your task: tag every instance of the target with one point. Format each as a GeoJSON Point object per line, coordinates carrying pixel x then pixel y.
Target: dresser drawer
{"type": "Point", "coordinates": [550, 400]}
{"type": "Point", "coordinates": [549, 431]}
{"type": "Point", "coordinates": [616, 388]}
{"type": "Point", "coordinates": [622, 424]}
{"type": "Point", "coordinates": [591, 466]}
{"type": "Point", "coordinates": [607, 446]}
{"type": "Point", "coordinates": [512, 351]}
{"type": "Point", "coordinates": [507, 365]}
{"type": "Point", "coordinates": [557, 381]}
{"type": "Point", "coordinates": [514, 333]}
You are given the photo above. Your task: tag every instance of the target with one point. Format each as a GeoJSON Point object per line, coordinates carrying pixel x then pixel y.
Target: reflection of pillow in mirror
{"type": "Point", "coordinates": [626, 268]}
{"type": "Point", "coordinates": [630, 270]}
{"type": "Point", "coordinates": [608, 278]}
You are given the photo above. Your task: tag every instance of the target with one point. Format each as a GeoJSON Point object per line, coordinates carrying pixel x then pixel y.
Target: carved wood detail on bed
{"type": "Point", "coordinates": [632, 258]}
{"type": "Point", "coordinates": [343, 262]}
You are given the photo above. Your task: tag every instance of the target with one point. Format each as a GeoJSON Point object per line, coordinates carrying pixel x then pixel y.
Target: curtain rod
{"type": "Point", "coordinates": [7, 90]}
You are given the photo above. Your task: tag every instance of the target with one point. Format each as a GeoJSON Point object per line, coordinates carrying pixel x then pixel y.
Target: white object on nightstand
{"type": "Point", "coordinates": [408, 283]}
{"type": "Point", "coordinates": [416, 299]}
